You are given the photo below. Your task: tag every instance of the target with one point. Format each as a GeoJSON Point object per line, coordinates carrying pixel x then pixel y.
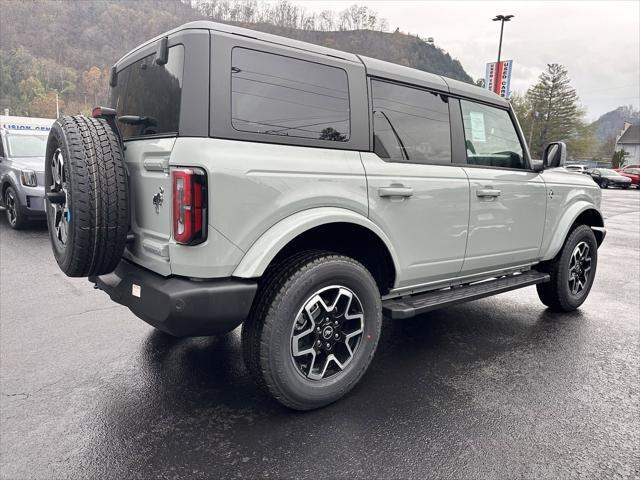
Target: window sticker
{"type": "Point", "coordinates": [477, 127]}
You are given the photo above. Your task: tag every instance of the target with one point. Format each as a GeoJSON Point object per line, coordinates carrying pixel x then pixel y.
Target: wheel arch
{"type": "Point", "coordinates": [7, 181]}
{"type": "Point", "coordinates": [581, 213]}
{"type": "Point", "coordinates": [327, 228]}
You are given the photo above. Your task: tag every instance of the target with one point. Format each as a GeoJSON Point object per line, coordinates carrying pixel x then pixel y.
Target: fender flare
{"type": "Point", "coordinates": [263, 251]}
{"type": "Point", "coordinates": [562, 230]}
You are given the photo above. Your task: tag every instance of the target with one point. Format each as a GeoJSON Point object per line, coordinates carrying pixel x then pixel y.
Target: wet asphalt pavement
{"type": "Point", "coordinates": [497, 388]}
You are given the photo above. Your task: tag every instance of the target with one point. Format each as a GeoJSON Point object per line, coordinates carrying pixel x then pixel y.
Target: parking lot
{"type": "Point", "coordinates": [495, 388]}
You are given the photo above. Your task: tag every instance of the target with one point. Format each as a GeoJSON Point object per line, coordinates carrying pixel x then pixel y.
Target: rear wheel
{"type": "Point", "coordinates": [15, 217]}
{"type": "Point", "coordinates": [572, 272]}
{"type": "Point", "coordinates": [314, 329]}
{"type": "Point", "coordinates": [605, 184]}
{"type": "Point", "coordinates": [87, 196]}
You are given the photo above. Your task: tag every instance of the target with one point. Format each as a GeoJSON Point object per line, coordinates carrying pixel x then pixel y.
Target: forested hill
{"type": "Point", "coordinates": [67, 47]}
{"type": "Point", "coordinates": [396, 47]}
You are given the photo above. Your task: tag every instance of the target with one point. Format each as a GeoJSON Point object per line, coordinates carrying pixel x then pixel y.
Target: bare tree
{"type": "Point", "coordinates": [284, 14]}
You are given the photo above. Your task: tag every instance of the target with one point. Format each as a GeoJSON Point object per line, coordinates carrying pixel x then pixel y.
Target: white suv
{"type": "Point", "coordinates": [243, 177]}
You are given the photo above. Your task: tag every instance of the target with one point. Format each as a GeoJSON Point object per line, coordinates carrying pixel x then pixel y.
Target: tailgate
{"type": "Point", "coordinates": [147, 162]}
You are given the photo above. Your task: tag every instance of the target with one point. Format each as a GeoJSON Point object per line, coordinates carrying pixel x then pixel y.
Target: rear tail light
{"type": "Point", "coordinates": [189, 205]}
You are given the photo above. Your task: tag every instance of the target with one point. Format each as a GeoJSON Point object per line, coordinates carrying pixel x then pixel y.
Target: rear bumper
{"type": "Point", "coordinates": [177, 305]}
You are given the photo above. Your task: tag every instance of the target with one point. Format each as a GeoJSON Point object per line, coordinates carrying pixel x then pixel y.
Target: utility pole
{"type": "Point", "coordinates": [57, 106]}
{"type": "Point", "coordinates": [498, 70]}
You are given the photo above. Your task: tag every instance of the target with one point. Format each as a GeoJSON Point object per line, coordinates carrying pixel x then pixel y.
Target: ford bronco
{"type": "Point", "coordinates": [244, 178]}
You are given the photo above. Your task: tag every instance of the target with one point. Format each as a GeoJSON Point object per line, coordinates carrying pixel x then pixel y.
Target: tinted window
{"type": "Point", "coordinates": [490, 137]}
{"type": "Point", "coordinates": [410, 125]}
{"type": "Point", "coordinates": [149, 90]}
{"type": "Point", "coordinates": [277, 95]}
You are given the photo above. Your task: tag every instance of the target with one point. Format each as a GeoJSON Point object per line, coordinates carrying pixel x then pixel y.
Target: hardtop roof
{"type": "Point", "coordinates": [374, 67]}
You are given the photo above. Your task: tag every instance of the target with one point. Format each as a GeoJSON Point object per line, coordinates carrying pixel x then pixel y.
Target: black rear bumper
{"type": "Point", "coordinates": [177, 305]}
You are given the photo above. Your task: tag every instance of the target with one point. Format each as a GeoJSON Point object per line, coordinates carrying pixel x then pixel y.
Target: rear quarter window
{"type": "Point", "coordinates": [278, 95]}
{"type": "Point", "coordinates": [153, 91]}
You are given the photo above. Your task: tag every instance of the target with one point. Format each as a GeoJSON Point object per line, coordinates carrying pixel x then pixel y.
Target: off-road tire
{"type": "Point", "coordinates": [556, 294]}
{"type": "Point", "coordinates": [15, 217]}
{"type": "Point", "coordinates": [97, 196]}
{"type": "Point", "coordinates": [266, 334]}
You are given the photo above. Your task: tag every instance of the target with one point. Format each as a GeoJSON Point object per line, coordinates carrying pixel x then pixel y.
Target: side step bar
{"type": "Point", "coordinates": [406, 307]}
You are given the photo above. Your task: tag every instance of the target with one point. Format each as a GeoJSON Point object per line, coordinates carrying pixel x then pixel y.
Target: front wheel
{"type": "Point", "coordinates": [605, 184]}
{"type": "Point", "coordinates": [313, 330]}
{"type": "Point", "coordinates": [572, 272]}
{"type": "Point", "coordinates": [15, 217]}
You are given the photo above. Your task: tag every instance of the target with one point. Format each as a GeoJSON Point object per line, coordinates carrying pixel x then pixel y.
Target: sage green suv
{"type": "Point", "coordinates": [243, 178]}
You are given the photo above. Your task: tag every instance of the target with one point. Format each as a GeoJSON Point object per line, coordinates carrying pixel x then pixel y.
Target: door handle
{"type": "Point", "coordinates": [488, 192]}
{"type": "Point", "coordinates": [395, 191]}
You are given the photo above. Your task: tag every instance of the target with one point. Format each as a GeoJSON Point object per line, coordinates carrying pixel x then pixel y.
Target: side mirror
{"type": "Point", "coordinates": [555, 155]}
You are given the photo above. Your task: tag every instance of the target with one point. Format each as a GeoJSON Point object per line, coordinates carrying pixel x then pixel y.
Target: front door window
{"type": "Point", "coordinates": [490, 137]}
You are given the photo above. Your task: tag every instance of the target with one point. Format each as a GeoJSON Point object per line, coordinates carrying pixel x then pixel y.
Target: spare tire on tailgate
{"type": "Point", "coordinates": [86, 196]}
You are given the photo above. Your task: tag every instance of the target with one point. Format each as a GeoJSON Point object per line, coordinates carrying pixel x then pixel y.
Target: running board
{"type": "Point", "coordinates": [406, 307]}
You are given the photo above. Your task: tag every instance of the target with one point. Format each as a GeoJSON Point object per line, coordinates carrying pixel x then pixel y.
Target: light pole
{"type": "Point", "coordinates": [501, 19]}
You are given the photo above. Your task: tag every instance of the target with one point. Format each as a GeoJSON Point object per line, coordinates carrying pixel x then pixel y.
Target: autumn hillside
{"type": "Point", "coordinates": [67, 47]}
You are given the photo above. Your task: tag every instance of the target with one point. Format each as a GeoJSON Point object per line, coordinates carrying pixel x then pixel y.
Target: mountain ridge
{"type": "Point", "coordinates": [62, 51]}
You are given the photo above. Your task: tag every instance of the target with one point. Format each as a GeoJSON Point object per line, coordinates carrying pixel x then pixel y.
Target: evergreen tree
{"type": "Point", "coordinates": [552, 109]}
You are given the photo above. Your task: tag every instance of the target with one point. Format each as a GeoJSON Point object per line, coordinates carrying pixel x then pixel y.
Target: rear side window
{"type": "Point", "coordinates": [277, 95]}
{"type": "Point", "coordinates": [490, 137]}
{"type": "Point", "coordinates": [410, 125]}
{"type": "Point", "coordinates": [152, 91]}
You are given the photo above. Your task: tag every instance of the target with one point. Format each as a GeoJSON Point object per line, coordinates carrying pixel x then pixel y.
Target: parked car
{"type": "Point", "coordinates": [303, 192]}
{"type": "Point", "coordinates": [577, 168]}
{"type": "Point", "coordinates": [606, 177]}
{"type": "Point", "coordinates": [626, 167]}
{"type": "Point", "coordinates": [633, 174]}
{"type": "Point", "coordinates": [22, 151]}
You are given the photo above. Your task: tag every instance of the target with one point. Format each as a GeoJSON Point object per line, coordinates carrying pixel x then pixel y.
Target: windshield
{"type": "Point", "coordinates": [608, 173]}
{"type": "Point", "coordinates": [26, 145]}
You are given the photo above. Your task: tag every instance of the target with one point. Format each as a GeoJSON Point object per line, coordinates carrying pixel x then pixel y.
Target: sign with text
{"type": "Point", "coordinates": [26, 123]}
{"type": "Point", "coordinates": [498, 77]}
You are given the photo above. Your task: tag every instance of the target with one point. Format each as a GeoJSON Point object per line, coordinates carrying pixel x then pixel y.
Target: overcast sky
{"type": "Point", "coordinates": [598, 41]}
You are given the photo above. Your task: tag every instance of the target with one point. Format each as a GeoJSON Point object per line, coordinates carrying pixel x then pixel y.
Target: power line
{"type": "Point", "coordinates": [290, 88]}
{"type": "Point", "coordinates": [294, 81]}
{"type": "Point", "coordinates": [292, 102]}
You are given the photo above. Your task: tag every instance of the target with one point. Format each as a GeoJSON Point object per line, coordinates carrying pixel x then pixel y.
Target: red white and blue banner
{"type": "Point", "coordinates": [498, 77]}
